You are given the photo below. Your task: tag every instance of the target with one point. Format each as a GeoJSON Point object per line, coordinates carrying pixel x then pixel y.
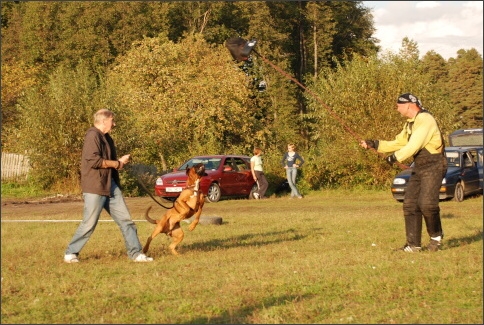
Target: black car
{"type": "Point", "coordinates": [464, 175]}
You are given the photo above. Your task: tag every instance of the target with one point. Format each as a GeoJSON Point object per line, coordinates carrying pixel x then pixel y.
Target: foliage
{"type": "Point", "coordinates": [180, 100]}
{"type": "Point", "coordinates": [22, 190]}
{"type": "Point", "coordinates": [53, 121]}
{"type": "Point", "coordinates": [357, 102]}
{"type": "Point", "coordinates": [465, 87]}
{"type": "Point", "coordinates": [17, 78]}
{"type": "Point", "coordinates": [162, 67]}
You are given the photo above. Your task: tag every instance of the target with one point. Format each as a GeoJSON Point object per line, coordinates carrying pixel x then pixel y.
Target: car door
{"type": "Point", "coordinates": [480, 163]}
{"type": "Point", "coordinates": [244, 176]}
{"type": "Point", "coordinates": [470, 174]}
{"type": "Point", "coordinates": [228, 180]}
{"type": "Point", "coordinates": [234, 180]}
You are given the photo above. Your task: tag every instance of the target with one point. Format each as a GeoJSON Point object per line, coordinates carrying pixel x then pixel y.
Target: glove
{"type": "Point", "coordinates": [391, 159]}
{"type": "Point", "coordinates": [372, 144]}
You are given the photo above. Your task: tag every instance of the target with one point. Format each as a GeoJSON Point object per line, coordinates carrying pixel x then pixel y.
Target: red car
{"type": "Point", "coordinates": [227, 176]}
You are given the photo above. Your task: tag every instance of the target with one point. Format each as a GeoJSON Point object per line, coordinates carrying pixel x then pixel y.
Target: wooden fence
{"type": "Point", "coordinates": [14, 167]}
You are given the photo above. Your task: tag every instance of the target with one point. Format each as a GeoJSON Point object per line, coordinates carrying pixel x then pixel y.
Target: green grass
{"type": "Point", "coordinates": [18, 190]}
{"type": "Point", "coordinates": [325, 259]}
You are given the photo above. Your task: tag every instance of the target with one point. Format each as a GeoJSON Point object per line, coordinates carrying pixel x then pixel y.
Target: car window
{"type": "Point", "coordinates": [209, 163]}
{"type": "Point", "coordinates": [467, 160]}
{"type": "Point", "coordinates": [240, 163]}
{"type": "Point", "coordinates": [190, 163]}
{"type": "Point", "coordinates": [229, 163]}
{"type": "Point", "coordinates": [452, 158]}
{"type": "Point", "coordinates": [212, 163]}
{"type": "Point", "coordinates": [466, 137]}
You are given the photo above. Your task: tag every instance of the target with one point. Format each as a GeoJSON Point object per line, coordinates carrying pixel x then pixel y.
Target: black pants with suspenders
{"type": "Point", "coordinates": [422, 197]}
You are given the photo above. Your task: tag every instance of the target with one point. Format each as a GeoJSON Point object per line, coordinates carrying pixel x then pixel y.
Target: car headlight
{"type": "Point", "coordinates": [444, 181]}
{"type": "Point", "coordinates": [399, 181]}
{"type": "Point", "coordinates": [159, 181]}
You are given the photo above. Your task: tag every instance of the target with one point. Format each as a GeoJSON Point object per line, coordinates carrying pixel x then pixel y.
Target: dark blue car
{"type": "Point", "coordinates": [464, 175]}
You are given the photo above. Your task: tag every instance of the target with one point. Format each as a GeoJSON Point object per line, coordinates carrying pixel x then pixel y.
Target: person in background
{"type": "Point", "coordinates": [421, 139]}
{"type": "Point", "coordinates": [258, 174]}
{"type": "Point", "coordinates": [100, 190]}
{"type": "Point", "coordinates": [291, 161]}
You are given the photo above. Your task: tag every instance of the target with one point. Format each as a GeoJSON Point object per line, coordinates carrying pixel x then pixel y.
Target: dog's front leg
{"type": "Point", "coordinates": [196, 216]}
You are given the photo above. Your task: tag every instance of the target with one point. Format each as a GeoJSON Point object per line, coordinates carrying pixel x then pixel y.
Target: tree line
{"type": "Point", "coordinates": [162, 67]}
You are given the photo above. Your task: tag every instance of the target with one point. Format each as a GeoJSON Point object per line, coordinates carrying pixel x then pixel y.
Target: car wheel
{"type": "Point", "coordinates": [254, 189]}
{"type": "Point", "coordinates": [459, 192]}
{"type": "Point", "coordinates": [214, 193]}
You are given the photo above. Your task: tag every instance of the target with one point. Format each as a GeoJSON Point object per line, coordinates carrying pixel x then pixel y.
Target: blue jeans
{"type": "Point", "coordinates": [117, 209]}
{"type": "Point", "coordinates": [291, 174]}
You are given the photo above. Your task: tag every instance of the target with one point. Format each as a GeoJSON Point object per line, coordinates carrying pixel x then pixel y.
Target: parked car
{"type": "Point", "coordinates": [227, 176]}
{"type": "Point", "coordinates": [464, 175]}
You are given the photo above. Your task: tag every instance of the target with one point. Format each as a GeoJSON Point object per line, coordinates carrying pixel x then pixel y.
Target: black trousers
{"type": "Point", "coordinates": [422, 197]}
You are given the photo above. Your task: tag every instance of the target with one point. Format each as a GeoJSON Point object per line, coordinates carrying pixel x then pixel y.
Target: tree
{"type": "Point", "coordinates": [357, 101]}
{"type": "Point", "coordinates": [54, 119]}
{"type": "Point", "coordinates": [465, 87]}
{"type": "Point", "coordinates": [434, 65]}
{"type": "Point", "coordinates": [409, 50]}
{"type": "Point", "coordinates": [17, 78]}
{"type": "Point", "coordinates": [180, 99]}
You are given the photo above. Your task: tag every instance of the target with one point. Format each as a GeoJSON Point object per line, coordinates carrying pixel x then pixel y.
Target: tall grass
{"type": "Point", "coordinates": [328, 258]}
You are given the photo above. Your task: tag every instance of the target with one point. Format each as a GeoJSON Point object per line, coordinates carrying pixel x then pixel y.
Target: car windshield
{"type": "Point", "coordinates": [209, 163]}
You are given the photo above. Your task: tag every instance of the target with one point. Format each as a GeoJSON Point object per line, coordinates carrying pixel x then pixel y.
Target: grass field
{"type": "Point", "coordinates": [328, 258]}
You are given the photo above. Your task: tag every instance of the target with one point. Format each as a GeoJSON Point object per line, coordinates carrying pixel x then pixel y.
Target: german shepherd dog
{"type": "Point", "coordinates": [189, 203]}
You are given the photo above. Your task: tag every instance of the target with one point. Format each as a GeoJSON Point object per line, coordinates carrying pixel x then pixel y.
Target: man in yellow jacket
{"type": "Point", "coordinates": [421, 139]}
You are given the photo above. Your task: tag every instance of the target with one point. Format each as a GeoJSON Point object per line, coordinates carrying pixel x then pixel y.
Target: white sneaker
{"type": "Point", "coordinates": [71, 258]}
{"type": "Point", "coordinates": [256, 195]}
{"type": "Point", "coordinates": [143, 258]}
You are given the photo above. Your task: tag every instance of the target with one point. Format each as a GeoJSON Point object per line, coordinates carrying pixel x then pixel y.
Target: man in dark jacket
{"type": "Point", "coordinates": [100, 190]}
{"type": "Point", "coordinates": [421, 139]}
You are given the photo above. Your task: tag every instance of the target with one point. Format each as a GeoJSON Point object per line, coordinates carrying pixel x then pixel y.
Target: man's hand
{"type": "Point", "coordinates": [391, 159]}
{"type": "Point", "coordinates": [123, 161]}
{"type": "Point", "coordinates": [367, 144]}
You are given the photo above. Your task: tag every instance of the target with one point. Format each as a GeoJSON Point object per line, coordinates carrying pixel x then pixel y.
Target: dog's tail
{"type": "Point", "coordinates": [147, 217]}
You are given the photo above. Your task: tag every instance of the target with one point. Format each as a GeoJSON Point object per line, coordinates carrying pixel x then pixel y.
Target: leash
{"type": "Point", "coordinates": [341, 121]}
{"type": "Point", "coordinates": [140, 183]}
{"type": "Point", "coordinates": [151, 195]}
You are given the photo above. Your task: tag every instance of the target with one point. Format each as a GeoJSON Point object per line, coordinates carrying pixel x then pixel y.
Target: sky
{"type": "Point", "coordinates": [442, 26]}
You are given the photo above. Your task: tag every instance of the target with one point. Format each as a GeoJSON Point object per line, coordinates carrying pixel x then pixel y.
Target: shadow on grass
{"type": "Point", "coordinates": [457, 242]}
{"type": "Point", "coordinates": [239, 316]}
{"type": "Point", "coordinates": [245, 240]}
